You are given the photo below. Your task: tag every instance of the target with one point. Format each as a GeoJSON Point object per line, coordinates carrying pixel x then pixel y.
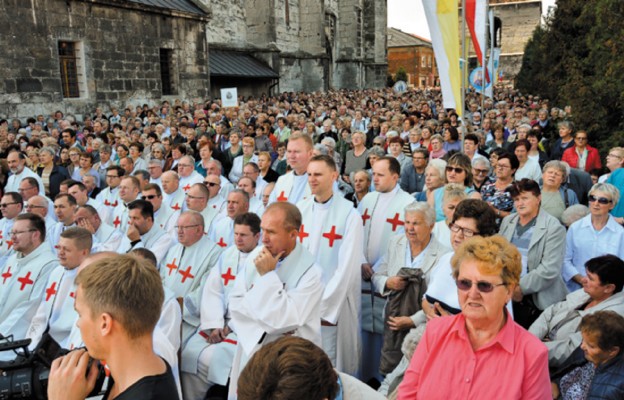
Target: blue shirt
{"type": "Point", "coordinates": [617, 179]}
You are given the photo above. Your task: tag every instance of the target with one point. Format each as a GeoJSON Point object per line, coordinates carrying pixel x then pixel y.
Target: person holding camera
{"type": "Point", "coordinates": [115, 330]}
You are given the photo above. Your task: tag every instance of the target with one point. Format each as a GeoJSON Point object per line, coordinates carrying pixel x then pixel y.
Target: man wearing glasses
{"type": "Point", "coordinates": [164, 217]}
{"type": "Point", "coordinates": [142, 232]}
{"type": "Point", "coordinates": [109, 196]}
{"type": "Point", "coordinates": [188, 175]}
{"type": "Point", "coordinates": [28, 188]}
{"type": "Point", "coordinates": [215, 200]}
{"type": "Point", "coordinates": [11, 206]}
{"type": "Point", "coordinates": [197, 200]}
{"type": "Point", "coordinates": [38, 205]}
{"type": "Point", "coordinates": [186, 265]}
{"type": "Point", "coordinates": [25, 273]}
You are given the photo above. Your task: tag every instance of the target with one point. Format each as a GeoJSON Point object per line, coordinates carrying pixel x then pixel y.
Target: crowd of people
{"type": "Point", "coordinates": [398, 249]}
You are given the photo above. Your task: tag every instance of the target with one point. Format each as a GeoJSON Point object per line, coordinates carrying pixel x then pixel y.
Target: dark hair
{"type": "Point", "coordinates": [31, 181]}
{"type": "Point", "coordinates": [610, 270]}
{"type": "Point", "coordinates": [472, 137]}
{"type": "Point", "coordinates": [254, 166]}
{"type": "Point", "coordinates": [80, 185]}
{"type": "Point", "coordinates": [70, 199]}
{"type": "Point", "coordinates": [396, 139]}
{"type": "Point", "coordinates": [524, 185]}
{"type": "Point", "coordinates": [328, 160]}
{"type": "Point", "coordinates": [249, 219]}
{"type": "Point", "coordinates": [36, 222]}
{"type": "Point", "coordinates": [481, 212]}
{"type": "Point", "coordinates": [153, 186]}
{"type": "Point", "coordinates": [288, 368]}
{"type": "Point", "coordinates": [145, 254]}
{"type": "Point", "coordinates": [146, 208]}
{"type": "Point", "coordinates": [423, 151]}
{"type": "Point", "coordinates": [71, 132]}
{"type": "Point", "coordinates": [453, 133]}
{"type": "Point", "coordinates": [393, 164]}
{"type": "Point", "coordinates": [523, 142]}
{"type": "Point", "coordinates": [463, 161]}
{"type": "Point", "coordinates": [513, 160]}
{"type": "Point", "coordinates": [607, 327]}
{"type": "Point", "coordinates": [120, 171]}
{"type": "Point", "coordinates": [144, 174]}
{"type": "Point", "coordinates": [138, 146]}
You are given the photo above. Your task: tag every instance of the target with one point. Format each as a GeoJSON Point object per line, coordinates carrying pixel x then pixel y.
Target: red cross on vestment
{"type": "Point", "coordinates": [9, 244]}
{"type": "Point", "coordinates": [115, 204]}
{"type": "Point", "coordinates": [186, 274]}
{"type": "Point", "coordinates": [72, 295]}
{"type": "Point", "coordinates": [282, 197]}
{"type": "Point", "coordinates": [25, 280]}
{"type": "Point", "coordinates": [227, 277]}
{"type": "Point", "coordinates": [187, 187]}
{"type": "Point", "coordinates": [172, 266]}
{"type": "Point", "coordinates": [51, 291]}
{"type": "Point", "coordinates": [395, 222]}
{"type": "Point", "coordinates": [107, 203]}
{"type": "Point", "coordinates": [302, 234]}
{"type": "Point", "coordinates": [221, 243]}
{"type": "Point", "coordinates": [117, 222]}
{"type": "Point", "coordinates": [365, 216]}
{"type": "Point", "coordinates": [332, 236]}
{"type": "Point", "coordinates": [175, 206]}
{"type": "Point", "coordinates": [6, 275]}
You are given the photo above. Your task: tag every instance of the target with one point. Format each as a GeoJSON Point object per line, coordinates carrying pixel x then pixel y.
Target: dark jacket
{"type": "Point", "coordinates": [411, 181]}
{"type": "Point", "coordinates": [58, 175]}
{"type": "Point", "coordinates": [271, 176]}
{"type": "Point", "coordinates": [608, 382]}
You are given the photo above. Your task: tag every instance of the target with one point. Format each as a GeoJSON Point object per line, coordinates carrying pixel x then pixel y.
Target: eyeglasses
{"type": "Point", "coordinates": [500, 166]}
{"type": "Point", "coordinates": [149, 197]}
{"type": "Point", "coordinates": [34, 206]}
{"type": "Point", "coordinates": [5, 205]}
{"type": "Point", "coordinates": [613, 155]}
{"type": "Point", "coordinates": [591, 198]}
{"type": "Point", "coordinates": [482, 286]}
{"type": "Point", "coordinates": [25, 189]}
{"type": "Point", "coordinates": [457, 170]}
{"type": "Point", "coordinates": [185, 227]}
{"type": "Point", "coordinates": [580, 138]}
{"type": "Point", "coordinates": [211, 184]}
{"type": "Point", "coordinates": [481, 171]}
{"type": "Point", "coordinates": [465, 231]}
{"type": "Point", "coordinates": [194, 197]}
{"type": "Point", "coordinates": [15, 233]}
{"type": "Point", "coordinates": [184, 165]}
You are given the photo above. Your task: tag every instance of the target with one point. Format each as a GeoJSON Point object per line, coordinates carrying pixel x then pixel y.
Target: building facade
{"type": "Point", "coordinates": [72, 55]}
{"type": "Point", "coordinates": [415, 55]}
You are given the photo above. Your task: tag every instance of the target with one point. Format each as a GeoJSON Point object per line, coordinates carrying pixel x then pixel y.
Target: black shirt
{"type": "Point", "coordinates": [155, 387]}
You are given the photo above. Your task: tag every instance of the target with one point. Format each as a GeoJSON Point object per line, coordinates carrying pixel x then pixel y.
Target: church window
{"type": "Point", "coordinates": [72, 69]}
{"type": "Point", "coordinates": [166, 72]}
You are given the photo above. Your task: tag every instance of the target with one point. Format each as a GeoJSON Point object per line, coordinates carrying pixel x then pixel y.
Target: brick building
{"type": "Point", "coordinates": [415, 55]}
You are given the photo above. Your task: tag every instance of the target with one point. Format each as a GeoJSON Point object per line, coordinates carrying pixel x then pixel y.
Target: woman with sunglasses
{"type": "Point", "coordinates": [480, 353]}
{"type": "Point", "coordinates": [540, 238]}
{"type": "Point", "coordinates": [496, 193]}
{"type": "Point", "coordinates": [458, 170]}
{"type": "Point", "coordinates": [558, 326]}
{"type": "Point", "coordinates": [592, 236]}
{"type": "Point", "coordinates": [471, 218]}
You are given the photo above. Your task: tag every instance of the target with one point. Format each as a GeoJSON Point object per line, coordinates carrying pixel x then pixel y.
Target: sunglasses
{"type": "Point", "coordinates": [482, 286]}
{"type": "Point", "coordinates": [601, 200]}
{"type": "Point", "coordinates": [149, 197]}
{"type": "Point", "coordinates": [211, 184]}
{"type": "Point", "coordinates": [457, 170]}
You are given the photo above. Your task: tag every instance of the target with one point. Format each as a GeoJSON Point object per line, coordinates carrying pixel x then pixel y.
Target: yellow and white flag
{"type": "Point", "coordinates": [443, 20]}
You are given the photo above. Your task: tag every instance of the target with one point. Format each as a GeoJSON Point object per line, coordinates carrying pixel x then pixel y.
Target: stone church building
{"type": "Point", "coordinates": [72, 55]}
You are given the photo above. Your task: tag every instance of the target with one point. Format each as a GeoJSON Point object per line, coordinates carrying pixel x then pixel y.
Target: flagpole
{"type": "Point", "coordinates": [464, 71]}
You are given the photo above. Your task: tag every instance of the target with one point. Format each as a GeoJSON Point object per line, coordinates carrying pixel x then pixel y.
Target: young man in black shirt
{"type": "Point", "coordinates": [118, 300]}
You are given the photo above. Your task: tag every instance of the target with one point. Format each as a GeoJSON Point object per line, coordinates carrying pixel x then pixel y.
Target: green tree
{"type": "Point", "coordinates": [577, 59]}
{"type": "Point", "coordinates": [401, 75]}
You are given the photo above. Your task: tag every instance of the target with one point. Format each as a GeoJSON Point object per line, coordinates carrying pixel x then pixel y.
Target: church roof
{"type": "Point", "coordinates": [398, 38]}
{"type": "Point", "coordinates": [238, 64]}
{"type": "Point", "coordinates": [188, 6]}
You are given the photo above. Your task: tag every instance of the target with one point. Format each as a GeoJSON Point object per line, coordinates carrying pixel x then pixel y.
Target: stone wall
{"type": "Point", "coordinates": [228, 24]}
{"type": "Point", "coordinates": [121, 56]}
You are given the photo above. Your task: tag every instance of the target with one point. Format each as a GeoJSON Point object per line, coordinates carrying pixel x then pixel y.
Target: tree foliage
{"type": "Point", "coordinates": [401, 75]}
{"type": "Point", "coordinates": [577, 59]}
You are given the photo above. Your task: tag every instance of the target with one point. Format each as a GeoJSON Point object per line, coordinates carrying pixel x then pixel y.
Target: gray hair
{"type": "Point", "coordinates": [155, 161]}
{"type": "Point", "coordinates": [159, 147]}
{"type": "Point", "coordinates": [106, 148]}
{"type": "Point", "coordinates": [574, 213]}
{"type": "Point", "coordinates": [321, 149]}
{"type": "Point", "coordinates": [423, 208]}
{"type": "Point", "coordinates": [189, 158]}
{"type": "Point", "coordinates": [329, 141]}
{"type": "Point", "coordinates": [376, 151]}
{"type": "Point", "coordinates": [48, 150]}
{"type": "Point", "coordinates": [439, 165]}
{"type": "Point", "coordinates": [566, 124]}
{"type": "Point", "coordinates": [608, 189]}
{"type": "Point", "coordinates": [453, 191]}
{"type": "Point", "coordinates": [558, 165]}
{"type": "Point", "coordinates": [480, 161]}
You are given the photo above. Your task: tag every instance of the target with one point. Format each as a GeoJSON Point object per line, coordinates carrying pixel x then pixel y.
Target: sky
{"type": "Point", "coordinates": [408, 16]}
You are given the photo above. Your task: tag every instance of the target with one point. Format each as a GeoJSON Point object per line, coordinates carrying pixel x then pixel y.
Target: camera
{"type": "Point", "coordinates": [26, 377]}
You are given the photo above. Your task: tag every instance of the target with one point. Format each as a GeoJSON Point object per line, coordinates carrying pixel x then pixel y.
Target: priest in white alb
{"type": "Point", "coordinates": [293, 186]}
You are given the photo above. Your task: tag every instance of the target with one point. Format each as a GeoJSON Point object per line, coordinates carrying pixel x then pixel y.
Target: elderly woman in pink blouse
{"type": "Point", "coordinates": [480, 353]}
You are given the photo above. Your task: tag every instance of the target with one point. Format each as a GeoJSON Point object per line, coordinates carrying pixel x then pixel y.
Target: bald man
{"type": "Point", "coordinates": [173, 195]}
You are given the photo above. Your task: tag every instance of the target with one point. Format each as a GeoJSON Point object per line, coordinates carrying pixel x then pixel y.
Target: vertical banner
{"type": "Point", "coordinates": [476, 19]}
{"type": "Point", "coordinates": [443, 20]}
